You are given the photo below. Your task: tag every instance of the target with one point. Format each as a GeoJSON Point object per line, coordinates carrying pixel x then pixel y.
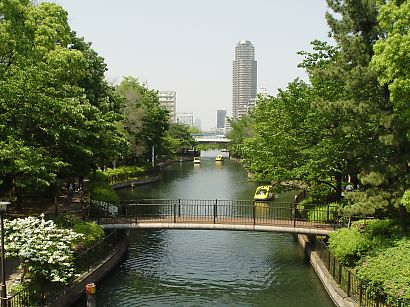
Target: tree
{"type": "Point", "coordinates": [57, 112]}
{"type": "Point", "coordinates": [391, 63]}
{"type": "Point", "coordinates": [145, 120]}
{"type": "Point", "coordinates": [179, 138]}
{"type": "Point", "coordinates": [241, 129]}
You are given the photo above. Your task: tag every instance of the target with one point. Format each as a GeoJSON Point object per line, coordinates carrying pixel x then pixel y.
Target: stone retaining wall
{"type": "Point", "coordinates": [75, 292]}
{"type": "Point", "coordinates": [131, 183]}
{"type": "Point", "coordinates": [338, 296]}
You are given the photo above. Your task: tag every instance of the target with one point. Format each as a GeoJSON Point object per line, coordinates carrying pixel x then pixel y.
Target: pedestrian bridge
{"type": "Point", "coordinates": [238, 215]}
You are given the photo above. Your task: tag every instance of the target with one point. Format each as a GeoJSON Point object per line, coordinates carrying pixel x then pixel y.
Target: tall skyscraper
{"type": "Point", "coordinates": [220, 119]}
{"type": "Point", "coordinates": [244, 79]}
{"type": "Point", "coordinates": [168, 99]}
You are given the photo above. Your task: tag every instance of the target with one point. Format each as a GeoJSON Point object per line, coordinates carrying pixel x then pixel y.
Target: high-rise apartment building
{"type": "Point", "coordinates": [185, 118]}
{"type": "Point", "coordinates": [168, 100]}
{"type": "Point", "coordinates": [220, 119]}
{"type": "Point", "coordinates": [244, 79]}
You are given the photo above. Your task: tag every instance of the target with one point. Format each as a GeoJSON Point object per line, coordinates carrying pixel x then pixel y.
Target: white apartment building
{"type": "Point", "coordinates": [185, 118]}
{"type": "Point", "coordinates": [168, 99]}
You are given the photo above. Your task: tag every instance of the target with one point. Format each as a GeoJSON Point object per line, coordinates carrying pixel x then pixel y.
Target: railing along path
{"type": "Point", "coordinates": [228, 212]}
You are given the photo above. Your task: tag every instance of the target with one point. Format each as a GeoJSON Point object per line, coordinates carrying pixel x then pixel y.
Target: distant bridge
{"type": "Point", "coordinates": [212, 140]}
{"type": "Point", "coordinates": [207, 138]}
{"type": "Point", "coordinates": [222, 215]}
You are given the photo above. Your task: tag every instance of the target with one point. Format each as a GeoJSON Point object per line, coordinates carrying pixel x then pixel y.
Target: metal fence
{"type": "Point", "coordinates": [36, 295]}
{"type": "Point", "coordinates": [224, 211]}
{"type": "Point", "coordinates": [361, 292]}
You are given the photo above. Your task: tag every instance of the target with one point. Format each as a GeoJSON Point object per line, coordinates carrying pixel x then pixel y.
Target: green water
{"type": "Point", "coordinates": [209, 268]}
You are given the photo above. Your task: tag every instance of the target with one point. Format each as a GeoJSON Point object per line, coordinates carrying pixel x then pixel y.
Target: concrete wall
{"type": "Point", "coordinates": [75, 292]}
{"type": "Point", "coordinates": [338, 296]}
{"type": "Point", "coordinates": [131, 183]}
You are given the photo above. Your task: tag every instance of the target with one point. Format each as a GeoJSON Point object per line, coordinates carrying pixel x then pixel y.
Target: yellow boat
{"type": "Point", "coordinates": [264, 192]}
{"type": "Point", "coordinates": [219, 158]}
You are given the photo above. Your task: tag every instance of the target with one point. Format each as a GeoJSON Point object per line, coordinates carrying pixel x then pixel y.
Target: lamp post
{"type": "Point", "coordinates": [3, 209]}
{"type": "Point", "coordinates": [153, 156]}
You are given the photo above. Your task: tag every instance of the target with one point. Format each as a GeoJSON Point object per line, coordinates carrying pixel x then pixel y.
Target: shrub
{"type": "Point", "coordinates": [349, 245]}
{"type": "Point", "coordinates": [91, 231]}
{"type": "Point", "coordinates": [105, 194]}
{"type": "Point", "coordinates": [65, 220]}
{"type": "Point", "coordinates": [389, 269]}
{"type": "Point", "coordinates": [45, 251]}
{"type": "Point", "coordinates": [122, 173]}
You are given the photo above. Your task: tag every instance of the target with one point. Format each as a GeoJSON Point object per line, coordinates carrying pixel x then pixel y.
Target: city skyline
{"type": "Point", "coordinates": [187, 46]}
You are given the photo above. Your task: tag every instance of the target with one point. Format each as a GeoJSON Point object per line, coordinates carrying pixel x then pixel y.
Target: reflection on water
{"type": "Point", "coordinates": [210, 268]}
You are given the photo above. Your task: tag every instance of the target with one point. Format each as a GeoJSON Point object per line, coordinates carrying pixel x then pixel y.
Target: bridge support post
{"type": "Point", "coordinates": [294, 214]}
{"type": "Point", "coordinates": [179, 207]}
{"type": "Point", "coordinates": [175, 213]}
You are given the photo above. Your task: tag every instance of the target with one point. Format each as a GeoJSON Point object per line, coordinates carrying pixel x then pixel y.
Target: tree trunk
{"type": "Point", "coordinates": [338, 177]}
{"type": "Point", "coordinates": [403, 216]}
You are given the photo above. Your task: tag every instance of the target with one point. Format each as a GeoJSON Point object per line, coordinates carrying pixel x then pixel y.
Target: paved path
{"type": "Point", "coordinates": [221, 223]}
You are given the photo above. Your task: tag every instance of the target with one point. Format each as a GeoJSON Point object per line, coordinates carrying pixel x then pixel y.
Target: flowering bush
{"type": "Point", "coordinates": [45, 251]}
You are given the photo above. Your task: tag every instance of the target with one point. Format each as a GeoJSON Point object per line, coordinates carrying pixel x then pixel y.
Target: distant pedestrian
{"type": "Point", "coordinates": [80, 182]}
{"type": "Point", "coordinates": [71, 189]}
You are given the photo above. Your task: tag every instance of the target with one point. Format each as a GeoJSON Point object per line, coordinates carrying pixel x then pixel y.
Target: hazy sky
{"type": "Point", "coordinates": [188, 45]}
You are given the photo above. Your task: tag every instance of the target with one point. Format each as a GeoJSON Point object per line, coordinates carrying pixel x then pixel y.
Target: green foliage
{"type": "Point", "coordinates": [348, 245]}
{"type": "Point", "coordinates": [101, 191]}
{"type": "Point", "coordinates": [57, 112]}
{"type": "Point", "coordinates": [91, 231]}
{"type": "Point", "coordinates": [323, 213]}
{"type": "Point", "coordinates": [364, 238]}
{"type": "Point", "coordinates": [179, 139]}
{"type": "Point", "coordinates": [105, 194]}
{"type": "Point", "coordinates": [122, 173]}
{"type": "Point", "coordinates": [145, 122]}
{"type": "Point", "coordinates": [405, 200]}
{"type": "Point", "coordinates": [241, 129]}
{"type": "Point", "coordinates": [65, 220]}
{"type": "Point", "coordinates": [389, 269]}
{"type": "Point", "coordinates": [45, 251]}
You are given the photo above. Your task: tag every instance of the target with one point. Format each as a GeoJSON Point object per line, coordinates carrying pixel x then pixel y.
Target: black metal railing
{"type": "Point", "coordinates": [224, 211]}
{"type": "Point", "coordinates": [357, 289]}
{"type": "Point", "coordinates": [36, 295]}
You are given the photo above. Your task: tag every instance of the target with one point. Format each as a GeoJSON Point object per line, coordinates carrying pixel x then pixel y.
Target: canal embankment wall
{"type": "Point", "coordinates": [73, 293]}
{"type": "Point", "coordinates": [338, 296]}
{"type": "Point", "coordinates": [148, 179]}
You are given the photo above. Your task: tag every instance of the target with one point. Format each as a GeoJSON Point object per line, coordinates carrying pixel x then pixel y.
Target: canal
{"type": "Point", "coordinates": [210, 268]}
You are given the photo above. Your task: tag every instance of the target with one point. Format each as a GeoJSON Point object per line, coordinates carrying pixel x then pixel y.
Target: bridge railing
{"type": "Point", "coordinates": [226, 211]}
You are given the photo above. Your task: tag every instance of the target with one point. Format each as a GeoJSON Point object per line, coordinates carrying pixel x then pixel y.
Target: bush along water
{"type": "Point", "coordinates": [104, 200]}
{"type": "Point", "coordinates": [378, 252]}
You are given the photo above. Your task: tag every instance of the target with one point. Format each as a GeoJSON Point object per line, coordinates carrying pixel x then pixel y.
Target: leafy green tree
{"type": "Point", "coordinates": [391, 63]}
{"type": "Point", "coordinates": [179, 138]}
{"type": "Point", "coordinates": [145, 120]}
{"type": "Point", "coordinates": [57, 112]}
{"type": "Point", "coordinates": [274, 150]}
{"type": "Point", "coordinates": [241, 129]}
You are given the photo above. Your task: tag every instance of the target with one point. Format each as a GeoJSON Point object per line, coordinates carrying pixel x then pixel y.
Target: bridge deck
{"type": "Point", "coordinates": [221, 223]}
